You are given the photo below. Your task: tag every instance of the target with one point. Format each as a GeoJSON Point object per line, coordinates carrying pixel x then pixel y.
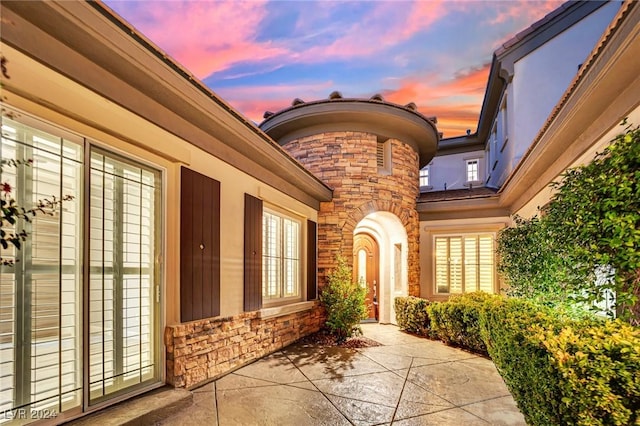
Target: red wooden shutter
{"type": "Point", "coordinates": [252, 253]}
{"type": "Point", "coordinates": [199, 246]}
{"type": "Point", "coordinates": [312, 260]}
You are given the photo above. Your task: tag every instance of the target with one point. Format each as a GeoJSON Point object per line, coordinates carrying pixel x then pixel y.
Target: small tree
{"type": "Point", "coordinates": [344, 301]}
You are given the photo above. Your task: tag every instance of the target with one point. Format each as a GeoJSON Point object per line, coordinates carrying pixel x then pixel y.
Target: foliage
{"type": "Point", "coordinates": [411, 314]}
{"type": "Point", "coordinates": [588, 230]}
{"type": "Point", "coordinates": [595, 217]}
{"type": "Point", "coordinates": [564, 371]}
{"type": "Point", "coordinates": [457, 321]}
{"type": "Point", "coordinates": [344, 301]}
{"type": "Point", "coordinates": [11, 212]}
{"type": "Point", "coordinates": [531, 265]}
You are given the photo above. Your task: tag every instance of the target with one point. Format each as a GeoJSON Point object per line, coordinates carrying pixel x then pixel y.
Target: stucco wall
{"type": "Point", "coordinates": [450, 170]}
{"type": "Point", "coordinates": [540, 79]}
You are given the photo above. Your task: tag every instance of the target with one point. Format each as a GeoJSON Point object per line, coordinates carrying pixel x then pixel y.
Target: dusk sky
{"type": "Point", "coordinates": [260, 55]}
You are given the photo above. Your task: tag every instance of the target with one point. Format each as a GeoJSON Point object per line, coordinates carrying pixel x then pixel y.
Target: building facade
{"type": "Point", "coordinates": [191, 242]}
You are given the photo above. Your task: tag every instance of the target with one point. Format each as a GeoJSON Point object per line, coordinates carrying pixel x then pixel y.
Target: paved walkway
{"type": "Point", "coordinates": [407, 381]}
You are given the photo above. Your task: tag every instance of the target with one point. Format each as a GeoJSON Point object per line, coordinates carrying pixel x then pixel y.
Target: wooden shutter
{"type": "Point", "coordinates": [252, 253]}
{"type": "Point", "coordinates": [199, 246]}
{"type": "Point", "coordinates": [312, 260]}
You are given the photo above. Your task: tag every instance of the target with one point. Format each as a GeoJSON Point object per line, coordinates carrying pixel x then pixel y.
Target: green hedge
{"type": "Point", "coordinates": [457, 321]}
{"type": "Point", "coordinates": [560, 371]}
{"type": "Point", "coordinates": [411, 314]}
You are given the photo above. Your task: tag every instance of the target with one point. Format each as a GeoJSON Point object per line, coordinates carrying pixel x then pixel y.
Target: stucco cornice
{"type": "Point", "coordinates": [89, 44]}
{"type": "Point", "coordinates": [461, 209]}
{"type": "Point", "coordinates": [384, 119]}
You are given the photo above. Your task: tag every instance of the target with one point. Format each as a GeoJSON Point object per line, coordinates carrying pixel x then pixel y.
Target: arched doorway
{"type": "Point", "coordinates": [385, 230]}
{"type": "Point", "coordinates": [365, 259]}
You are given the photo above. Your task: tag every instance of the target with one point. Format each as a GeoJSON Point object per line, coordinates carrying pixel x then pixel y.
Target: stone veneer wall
{"type": "Point", "coordinates": [346, 161]}
{"type": "Point", "coordinates": [200, 351]}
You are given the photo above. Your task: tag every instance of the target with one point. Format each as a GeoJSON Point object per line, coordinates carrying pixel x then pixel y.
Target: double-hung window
{"type": "Point", "coordinates": [281, 259]}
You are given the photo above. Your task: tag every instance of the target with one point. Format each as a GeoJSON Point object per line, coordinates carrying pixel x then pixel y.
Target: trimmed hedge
{"type": "Point", "coordinates": [457, 321]}
{"type": "Point", "coordinates": [560, 371]}
{"type": "Point", "coordinates": [411, 314]}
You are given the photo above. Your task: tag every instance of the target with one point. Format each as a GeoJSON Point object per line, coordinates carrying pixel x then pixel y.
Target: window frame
{"type": "Point", "coordinates": [283, 216]}
{"type": "Point", "coordinates": [462, 236]}
{"type": "Point", "coordinates": [427, 175]}
{"type": "Point", "coordinates": [478, 177]}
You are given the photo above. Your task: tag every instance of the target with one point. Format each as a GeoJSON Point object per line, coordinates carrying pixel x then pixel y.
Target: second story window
{"type": "Point", "coordinates": [424, 177]}
{"type": "Point", "coordinates": [473, 170]}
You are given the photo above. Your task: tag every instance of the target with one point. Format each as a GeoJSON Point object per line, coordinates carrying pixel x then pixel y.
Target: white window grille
{"type": "Point", "coordinates": [280, 257]}
{"type": "Point", "coordinates": [473, 170]}
{"type": "Point", "coordinates": [424, 177]}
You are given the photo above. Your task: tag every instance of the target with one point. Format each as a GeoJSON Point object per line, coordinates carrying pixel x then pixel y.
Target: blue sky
{"type": "Point", "coordinates": [260, 55]}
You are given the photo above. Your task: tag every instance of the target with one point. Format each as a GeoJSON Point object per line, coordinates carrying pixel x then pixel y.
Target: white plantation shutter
{"type": "Point", "coordinates": [40, 296]}
{"type": "Point", "coordinates": [123, 220]}
{"type": "Point", "coordinates": [464, 264]}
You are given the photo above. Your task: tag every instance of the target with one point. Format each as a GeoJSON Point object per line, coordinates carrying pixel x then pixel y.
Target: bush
{"type": "Point", "coordinates": [411, 314]}
{"type": "Point", "coordinates": [344, 302]}
{"type": "Point", "coordinates": [457, 321]}
{"type": "Point", "coordinates": [563, 371]}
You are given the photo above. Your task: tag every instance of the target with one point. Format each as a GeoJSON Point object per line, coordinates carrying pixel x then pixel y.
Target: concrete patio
{"type": "Point", "coordinates": [406, 381]}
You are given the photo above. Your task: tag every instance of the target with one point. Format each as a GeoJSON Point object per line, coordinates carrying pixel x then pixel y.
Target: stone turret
{"type": "Point", "coordinates": [370, 152]}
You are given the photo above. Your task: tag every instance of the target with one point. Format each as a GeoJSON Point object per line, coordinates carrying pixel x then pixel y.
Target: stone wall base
{"type": "Point", "coordinates": [203, 350]}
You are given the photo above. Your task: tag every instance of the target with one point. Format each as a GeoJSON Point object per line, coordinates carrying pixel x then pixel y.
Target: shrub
{"type": "Point", "coordinates": [344, 302]}
{"type": "Point", "coordinates": [457, 320]}
{"type": "Point", "coordinates": [411, 314]}
{"type": "Point", "coordinates": [563, 371]}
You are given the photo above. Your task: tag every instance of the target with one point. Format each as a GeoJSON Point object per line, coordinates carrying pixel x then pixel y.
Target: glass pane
{"type": "Point", "coordinates": [40, 303]}
{"type": "Point", "coordinates": [455, 265]}
{"type": "Point", "coordinates": [123, 227]}
{"type": "Point", "coordinates": [362, 267]}
{"type": "Point", "coordinates": [486, 263]}
{"type": "Point", "coordinates": [442, 265]}
{"type": "Point", "coordinates": [470, 264]}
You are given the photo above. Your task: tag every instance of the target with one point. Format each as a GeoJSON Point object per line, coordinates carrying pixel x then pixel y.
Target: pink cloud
{"type": "Point", "coordinates": [253, 101]}
{"type": "Point", "coordinates": [524, 10]}
{"type": "Point", "coordinates": [456, 102]}
{"type": "Point", "coordinates": [206, 36]}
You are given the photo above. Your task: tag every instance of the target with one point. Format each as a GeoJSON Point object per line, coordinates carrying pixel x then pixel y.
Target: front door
{"type": "Point", "coordinates": [366, 270]}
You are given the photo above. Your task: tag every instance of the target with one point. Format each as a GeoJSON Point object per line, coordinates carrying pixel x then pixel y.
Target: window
{"type": "Point", "coordinates": [41, 295]}
{"type": "Point", "coordinates": [43, 316]}
{"type": "Point", "coordinates": [473, 170]}
{"type": "Point", "coordinates": [123, 244]}
{"type": "Point", "coordinates": [280, 257]}
{"type": "Point", "coordinates": [424, 177]}
{"type": "Point", "coordinates": [464, 263]}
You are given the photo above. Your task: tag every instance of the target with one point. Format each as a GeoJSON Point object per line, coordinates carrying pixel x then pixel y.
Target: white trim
{"type": "Point", "coordinates": [292, 308]}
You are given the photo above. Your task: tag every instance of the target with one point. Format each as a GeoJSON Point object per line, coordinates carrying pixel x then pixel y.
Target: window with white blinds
{"type": "Point", "coordinates": [280, 257]}
{"type": "Point", "coordinates": [40, 296]}
{"type": "Point", "coordinates": [42, 309]}
{"type": "Point", "coordinates": [122, 276]}
{"type": "Point", "coordinates": [464, 263]}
